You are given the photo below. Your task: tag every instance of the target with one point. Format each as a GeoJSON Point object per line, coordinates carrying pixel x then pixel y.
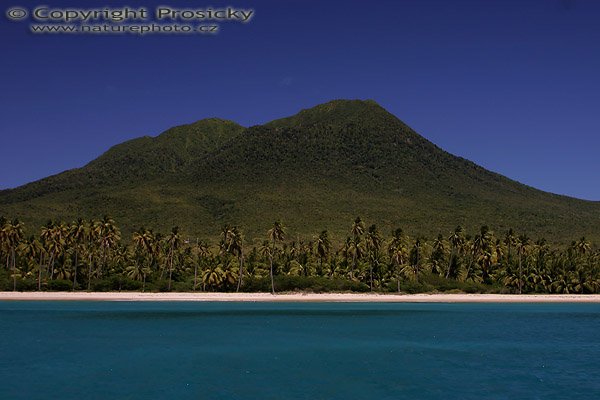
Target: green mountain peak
{"type": "Point", "coordinates": [335, 112]}
{"type": "Point", "coordinates": [315, 170]}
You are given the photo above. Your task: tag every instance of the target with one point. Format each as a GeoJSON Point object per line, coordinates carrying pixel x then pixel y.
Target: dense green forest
{"type": "Point", "coordinates": [93, 255]}
{"type": "Point", "coordinates": [316, 170]}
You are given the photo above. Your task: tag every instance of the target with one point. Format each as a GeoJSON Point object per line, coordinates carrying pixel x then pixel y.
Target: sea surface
{"type": "Point", "coordinates": [183, 350]}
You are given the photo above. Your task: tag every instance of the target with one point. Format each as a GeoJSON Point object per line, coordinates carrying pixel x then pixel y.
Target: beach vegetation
{"type": "Point", "coordinates": [93, 255]}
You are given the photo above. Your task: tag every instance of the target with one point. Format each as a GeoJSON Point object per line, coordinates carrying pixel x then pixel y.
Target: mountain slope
{"type": "Point", "coordinates": [144, 158]}
{"type": "Point", "coordinates": [315, 170]}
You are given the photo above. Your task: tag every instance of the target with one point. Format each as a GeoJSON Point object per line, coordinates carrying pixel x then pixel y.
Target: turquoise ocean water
{"type": "Point", "coordinates": [107, 350]}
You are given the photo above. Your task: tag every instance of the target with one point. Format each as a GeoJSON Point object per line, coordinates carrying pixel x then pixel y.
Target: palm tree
{"type": "Point", "coordinates": [299, 255]}
{"type": "Point", "coordinates": [6, 240]}
{"type": "Point", "coordinates": [138, 272]}
{"type": "Point", "coordinates": [236, 247]}
{"type": "Point", "coordinates": [480, 243]}
{"type": "Point", "coordinates": [3, 239]}
{"type": "Point", "coordinates": [143, 245]}
{"type": "Point", "coordinates": [456, 240]}
{"type": "Point", "coordinates": [203, 252]}
{"type": "Point", "coordinates": [91, 239]}
{"type": "Point", "coordinates": [346, 251]}
{"type": "Point", "coordinates": [415, 266]}
{"type": "Point", "coordinates": [32, 250]}
{"type": "Point", "coordinates": [373, 246]}
{"type": "Point", "coordinates": [323, 247]}
{"type": "Point", "coordinates": [54, 236]}
{"type": "Point", "coordinates": [225, 239]}
{"type": "Point", "coordinates": [437, 256]}
{"type": "Point", "coordinates": [357, 230]}
{"type": "Point", "coordinates": [582, 246]}
{"type": "Point", "coordinates": [356, 249]}
{"type": "Point", "coordinates": [213, 275]}
{"type": "Point", "coordinates": [77, 235]}
{"type": "Point", "coordinates": [398, 253]}
{"type": "Point", "coordinates": [509, 241]}
{"type": "Point", "coordinates": [522, 245]}
{"type": "Point", "coordinates": [485, 260]}
{"type": "Point", "coordinates": [12, 235]}
{"type": "Point", "coordinates": [41, 251]}
{"type": "Point", "coordinates": [108, 235]}
{"type": "Point", "coordinates": [499, 251]}
{"type": "Point", "coordinates": [232, 243]}
{"type": "Point", "coordinates": [229, 276]}
{"type": "Point", "coordinates": [275, 234]}
{"type": "Point", "coordinates": [173, 240]}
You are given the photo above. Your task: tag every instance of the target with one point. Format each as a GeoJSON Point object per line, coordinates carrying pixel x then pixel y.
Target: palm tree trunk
{"type": "Point", "coordinates": [51, 266]}
{"type": "Point", "coordinates": [321, 265]}
{"type": "Point", "coordinates": [170, 268]}
{"type": "Point", "coordinates": [271, 259]}
{"type": "Point", "coordinates": [89, 275]}
{"type": "Point", "coordinates": [195, 276]}
{"type": "Point", "coordinates": [103, 260]}
{"type": "Point", "coordinates": [239, 285]}
{"type": "Point", "coordinates": [520, 274]}
{"type": "Point", "coordinates": [417, 266]}
{"type": "Point", "coordinates": [75, 274]}
{"type": "Point", "coordinates": [14, 269]}
{"type": "Point", "coordinates": [272, 279]}
{"type": "Point", "coordinates": [471, 260]}
{"type": "Point", "coordinates": [450, 262]}
{"type": "Point", "coordinates": [40, 265]}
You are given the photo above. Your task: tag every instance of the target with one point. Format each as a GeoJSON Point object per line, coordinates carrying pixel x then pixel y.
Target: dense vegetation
{"type": "Point", "coordinates": [92, 255]}
{"type": "Point", "coordinates": [317, 170]}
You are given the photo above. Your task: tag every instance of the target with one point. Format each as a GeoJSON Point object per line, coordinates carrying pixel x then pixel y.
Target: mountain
{"type": "Point", "coordinates": [315, 170]}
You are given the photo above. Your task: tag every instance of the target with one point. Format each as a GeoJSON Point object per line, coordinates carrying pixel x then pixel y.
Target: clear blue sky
{"type": "Point", "coordinates": [511, 85]}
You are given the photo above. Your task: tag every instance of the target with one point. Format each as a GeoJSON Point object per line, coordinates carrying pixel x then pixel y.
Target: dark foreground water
{"type": "Point", "coordinates": [93, 350]}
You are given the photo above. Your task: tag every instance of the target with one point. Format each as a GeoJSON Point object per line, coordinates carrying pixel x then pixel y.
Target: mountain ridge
{"type": "Point", "coordinates": [315, 170]}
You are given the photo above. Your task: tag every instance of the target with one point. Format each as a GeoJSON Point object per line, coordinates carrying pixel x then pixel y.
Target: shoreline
{"type": "Point", "coordinates": [300, 297]}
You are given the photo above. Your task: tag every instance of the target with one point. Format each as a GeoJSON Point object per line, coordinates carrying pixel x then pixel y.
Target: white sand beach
{"type": "Point", "coordinates": [299, 297]}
